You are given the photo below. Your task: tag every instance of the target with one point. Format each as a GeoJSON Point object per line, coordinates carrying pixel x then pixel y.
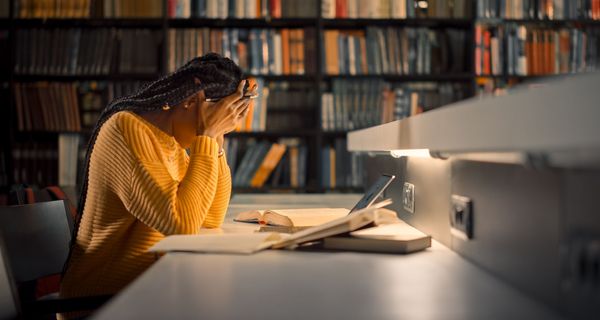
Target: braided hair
{"type": "Point", "coordinates": [219, 77]}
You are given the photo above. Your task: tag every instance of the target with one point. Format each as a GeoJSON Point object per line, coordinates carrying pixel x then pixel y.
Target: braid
{"type": "Point", "coordinates": [219, 77]}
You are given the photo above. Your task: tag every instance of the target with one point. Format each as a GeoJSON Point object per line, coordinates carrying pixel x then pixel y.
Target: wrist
{"type": "Point", "coordinates": [209, 133]}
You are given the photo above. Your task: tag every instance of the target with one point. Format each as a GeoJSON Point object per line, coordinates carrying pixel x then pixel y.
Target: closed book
{"type": "Point", "coordinates": [331, 52]}
{"type": "Point", "coordinates": [388, 238]}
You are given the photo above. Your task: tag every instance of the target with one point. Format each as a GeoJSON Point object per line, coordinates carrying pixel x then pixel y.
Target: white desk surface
{"type": "Point", "coordinates": [433, 284]}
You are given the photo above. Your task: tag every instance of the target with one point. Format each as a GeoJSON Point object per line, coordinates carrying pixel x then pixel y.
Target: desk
{"type": "Point", "coordinates": [434, 284]}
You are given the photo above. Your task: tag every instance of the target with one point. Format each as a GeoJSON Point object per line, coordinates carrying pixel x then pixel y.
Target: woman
{"type": "Point", "coordinates": [140, 184]}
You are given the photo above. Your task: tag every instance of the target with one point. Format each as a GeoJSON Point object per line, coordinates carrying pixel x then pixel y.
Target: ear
{"type": "Point", "coordinates": [196, 81]}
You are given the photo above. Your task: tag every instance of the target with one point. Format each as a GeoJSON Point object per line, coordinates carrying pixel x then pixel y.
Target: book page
{"type": "Point", "coordinates": [310, 216]}
{"type": "Point", "coordinates": [218, 243]}
{"type": "Point", "coordinates": [249, 216]}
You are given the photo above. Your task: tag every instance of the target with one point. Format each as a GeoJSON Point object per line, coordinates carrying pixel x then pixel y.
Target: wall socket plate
{"type": "Point", "coordinates": [461, 217]}
{"type": "Point", "coordinates": [408, 197]}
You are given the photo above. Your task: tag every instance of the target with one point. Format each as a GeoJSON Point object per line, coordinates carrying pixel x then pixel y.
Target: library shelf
{"type": "Point", "coordinates": [335, 134]}
{"type": "Point", "coordinates": [406, 78]}
{"type": "Point", "coordinates": [539, 22]}
{"type": "Point", "coordinates": [343, 190]}
{"type": "Point", "coordinates": [526, 77]}
{"type": "Point", "coordinates": [284, 77]}
{"type": "Point", "coordinates": [73, 78]}
{"type": "Point", "coordinates": [146, 23]}
{"type": "Point", "coordinates": [418, 22]}
{"type": "Point", "coordinates": [292, 109]}
{"type": "Point", "coordinates": [271, 134]}
{"type": "Point", "coordinates": [242, 23]}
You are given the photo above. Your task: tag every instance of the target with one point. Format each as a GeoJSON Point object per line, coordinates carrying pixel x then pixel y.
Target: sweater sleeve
{"type": "Point", "coordinates": [162, 203]}
{"type": "Point", "coordinates": [216, 213]}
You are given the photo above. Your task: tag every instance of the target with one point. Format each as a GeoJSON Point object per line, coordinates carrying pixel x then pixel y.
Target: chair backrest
{"type": "Point", "coordinates": [9, 302]}
{"type": "Point", "coordinates": [37, 238]}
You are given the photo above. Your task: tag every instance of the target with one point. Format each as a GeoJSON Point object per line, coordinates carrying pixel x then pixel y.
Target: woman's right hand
{"type": "Point", "coordinates": [215, 119]}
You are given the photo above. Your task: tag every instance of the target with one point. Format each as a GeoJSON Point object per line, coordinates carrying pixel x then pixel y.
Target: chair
{"type": "Point", "coordinates": [37, 238]}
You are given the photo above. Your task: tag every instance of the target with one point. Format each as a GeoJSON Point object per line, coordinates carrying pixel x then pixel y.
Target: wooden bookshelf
{"type": "Point", "coordinates": [241, 23]}
{"type": "Point", "coordinates": [314, 136]}
{"type": "Point", "coordinates": [146, 23]}
{"type": "Point", "coordinates": [411, 22]}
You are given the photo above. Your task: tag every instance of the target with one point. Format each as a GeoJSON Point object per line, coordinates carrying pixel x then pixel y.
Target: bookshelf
{"type": "Point", "coordinates": [319, 141]}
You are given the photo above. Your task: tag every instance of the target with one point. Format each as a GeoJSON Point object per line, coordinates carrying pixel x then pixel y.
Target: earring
{"type": "Point", "coordinates": [186, 106]}
{"type": "Point", "coordinates": [166, 107]}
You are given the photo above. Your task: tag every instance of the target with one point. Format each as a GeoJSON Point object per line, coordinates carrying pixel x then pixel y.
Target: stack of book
{"type": "Point", "coordinates": [87, 8]}
{"type": "Point", "coordinates": [539, 9]}
{"type": "Point", "coordinates": [341, 169]}
{"type": "Point", "coordinates": [394, 9]}
{"type": "Point", "coordinates": [391, 50]}
{"type": "Point", "coordinates": [242, 9]}
{"type": "Point", "coordinates": [355, 104]}
{"type": "Point", "coordinates": [281, 164]}
{"type": "Point", "coordinates": [256, 51]}
{"type": "Point", "coordinates": [523, 50]}
{"type": "Point", "coordinates": [43, 106]}
{"type": "Point", "coordinates": [86, 51]}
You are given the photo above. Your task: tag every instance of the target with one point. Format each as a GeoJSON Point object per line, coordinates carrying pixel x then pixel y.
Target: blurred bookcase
{"type": "Point", "coordinates": [324, 66]}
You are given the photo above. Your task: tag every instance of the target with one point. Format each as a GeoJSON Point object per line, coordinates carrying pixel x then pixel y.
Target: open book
{"type": "Point", "coordinates": [249, 243]}
{"type": "Point", "coordinates": [292, 217]}
{"type": "Point", "coordinates": [244, 243]}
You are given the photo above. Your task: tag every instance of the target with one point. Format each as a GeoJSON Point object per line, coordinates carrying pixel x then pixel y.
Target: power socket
{"type": "Point", "coordinates": [408, 197]}
{"type": "Point", "coordinates": [461, 217]}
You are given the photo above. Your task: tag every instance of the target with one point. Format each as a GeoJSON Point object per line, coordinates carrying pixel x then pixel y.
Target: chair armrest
{"type": "Point", "coordinates": [49, 306]}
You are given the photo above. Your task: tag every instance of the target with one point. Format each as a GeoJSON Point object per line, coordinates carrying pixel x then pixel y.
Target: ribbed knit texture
{"type": "Point", "coordinates": [142, 187]}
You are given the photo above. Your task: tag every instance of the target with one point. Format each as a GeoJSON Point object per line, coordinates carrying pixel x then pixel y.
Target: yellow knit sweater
{"type": "Point", "coordinates": [142, 187]}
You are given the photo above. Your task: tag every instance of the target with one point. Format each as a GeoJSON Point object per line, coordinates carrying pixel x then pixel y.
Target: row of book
{"type": "Point", "coordinates": [88, 8]}
{"type": "Point", "coordinates": [355, 104]}
{"type": "Point", "coordinates": [394, 51]}
{"type": "Point", "coordinates": [242, 9]}
{"type": "Point", "coordinates": [340, 168]}
{"type": "Point", "coordinates": [35, 163]}
{"type": "Point", "coordinates": [539, 9]}
{"type": "Point", "coordinates": [256, 51]}
{"type": "Point", "coordinates": [43, 106]}
{"type": "Point", "coordinates": [94, 96]}
{"type": "Point", "coordinates": [525, 50]}
{"type": "Point", "coordinates": [395, 9]}
{"type": "Point", "coordinates": [60, 107]}
{"type": "Point", "coordinates": [76, 51]}
{"type": "Point", "coordinates": [262, 163]}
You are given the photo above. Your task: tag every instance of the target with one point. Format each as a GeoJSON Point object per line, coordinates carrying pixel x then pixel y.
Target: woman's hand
{"type": "Point", "coordinates": [215, 119]}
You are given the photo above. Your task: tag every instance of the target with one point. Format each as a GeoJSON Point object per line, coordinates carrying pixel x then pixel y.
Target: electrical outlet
{"type": "Point", "coordinates": [408, 197]}
{"type": "Point", "coordinates": [461, 217]}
